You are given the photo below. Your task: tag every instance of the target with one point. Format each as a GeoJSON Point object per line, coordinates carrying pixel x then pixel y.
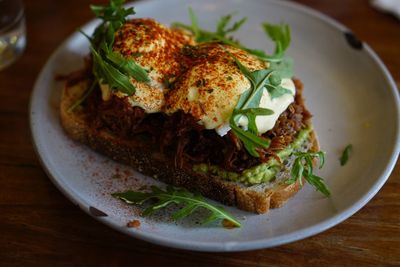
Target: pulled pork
{"type": "Point", "coordinates": [180, 136]}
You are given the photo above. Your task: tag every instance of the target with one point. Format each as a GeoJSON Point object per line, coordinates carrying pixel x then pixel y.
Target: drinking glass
{"type": "Point", "coordinates": [12, 31]}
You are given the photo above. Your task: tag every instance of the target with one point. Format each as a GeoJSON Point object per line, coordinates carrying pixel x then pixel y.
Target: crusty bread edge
{"type": "Point", "coordinates": [154, 164]}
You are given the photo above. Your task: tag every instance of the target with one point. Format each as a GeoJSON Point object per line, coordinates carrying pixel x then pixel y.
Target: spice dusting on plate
{"type": "Point", "coordinates": [133, 224]}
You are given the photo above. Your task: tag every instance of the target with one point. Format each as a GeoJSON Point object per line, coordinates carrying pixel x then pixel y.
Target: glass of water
{"type": "Point", "coordinates": [12, 31]}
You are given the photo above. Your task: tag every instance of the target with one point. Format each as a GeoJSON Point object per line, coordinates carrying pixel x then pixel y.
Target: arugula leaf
{"type": "Point", "coordinates": [114, 12]}
{"type": "Point", "coordinates": [128, 66]}
{"type": "Point", "coordinates": [172, 195]}
{"type": "Point", "coordinates": [250, 140]}
{"type": "Point", "coordinates": [279, 34]}
{"type": "Point", "coordinates": [113, 16]}
{"type": "Point", "coordinates": [257, 111]}
{"type": "Point", "coordinates": [111, 67]}
{"type": "Point", "coordinates": [251, 114]}
{"type": "Point", "coordinates": [283, 68]}
{"type": "Point", "coordinates": [223, 23]}
{"type": "Point", "coordinates": [303, 167]}
{"type": "Point", "coordinates": [277, 91]}
{"type": "Point", "coordinates": [346, 154]}
{"type": "Point", "coordinates": [107, 73]}
{"type": "Point", "coordinates": [258, 78]}
{"type": "Point", "coordinates": [195, 24]}
{"type": "Point", "coordinates": [222, 29]}
{"type": "Point", "coordinates": [221, 33]}
{"type": "Point", "coordinates": [249, 104]}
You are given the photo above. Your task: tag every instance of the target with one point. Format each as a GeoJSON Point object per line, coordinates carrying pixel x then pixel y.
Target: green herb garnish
{"type": "Point", "coordinates": [111, 67]}
{"type": "Point", "coordinates": [303, 167]}
{"type": "Point", "coordinates": [249, 105]}
{"type": "Point", "coordinates": [345, 155]}
{"type": "Point", "coordinates": [220, 34]}
{"type": "Point", "coordinates": [279, 33]}
{"type": "Point", "coordinates": [177, 196]}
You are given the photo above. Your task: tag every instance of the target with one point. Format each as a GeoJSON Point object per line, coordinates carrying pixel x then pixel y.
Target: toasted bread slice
{"type": "Point", "coordinates": [257, 198]}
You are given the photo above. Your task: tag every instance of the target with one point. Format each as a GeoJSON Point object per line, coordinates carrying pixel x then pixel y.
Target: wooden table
{"type": "Point", "coordinates": [40, 227]}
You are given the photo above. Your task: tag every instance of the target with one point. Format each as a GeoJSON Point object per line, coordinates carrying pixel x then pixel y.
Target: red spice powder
{"type": "Point", "coordinates": [133, 224]}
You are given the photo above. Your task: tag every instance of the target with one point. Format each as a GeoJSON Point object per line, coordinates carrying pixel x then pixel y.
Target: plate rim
{"type": "Point", "coordinates": [242, 245]}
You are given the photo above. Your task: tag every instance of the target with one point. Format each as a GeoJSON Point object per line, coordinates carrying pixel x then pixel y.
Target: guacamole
{"type": "Point", "coordinates": [261, 173]}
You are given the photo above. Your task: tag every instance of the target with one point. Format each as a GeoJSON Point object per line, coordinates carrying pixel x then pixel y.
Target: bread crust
{"type": "Point", "coordinates": [156, 165]}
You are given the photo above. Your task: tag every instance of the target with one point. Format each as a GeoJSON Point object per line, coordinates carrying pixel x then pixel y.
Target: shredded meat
{"type": "Point", "coordinates": [181, 137]}
{"type": "Point", "coordinates": [290, 122]}
{"type": "Point", "coordinates": [117, 116]}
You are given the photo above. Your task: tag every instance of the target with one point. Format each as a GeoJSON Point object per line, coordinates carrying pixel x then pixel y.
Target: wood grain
{"type": "Point", "coordinates": [40, 227]}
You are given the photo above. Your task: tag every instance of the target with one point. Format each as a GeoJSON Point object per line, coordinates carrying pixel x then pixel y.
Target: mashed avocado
{"type": "Point", "coordinates": [258, 174]}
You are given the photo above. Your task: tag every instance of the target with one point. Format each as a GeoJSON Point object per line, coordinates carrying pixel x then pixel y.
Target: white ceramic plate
{"type": "Point", "coordinates": [347, 88]}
